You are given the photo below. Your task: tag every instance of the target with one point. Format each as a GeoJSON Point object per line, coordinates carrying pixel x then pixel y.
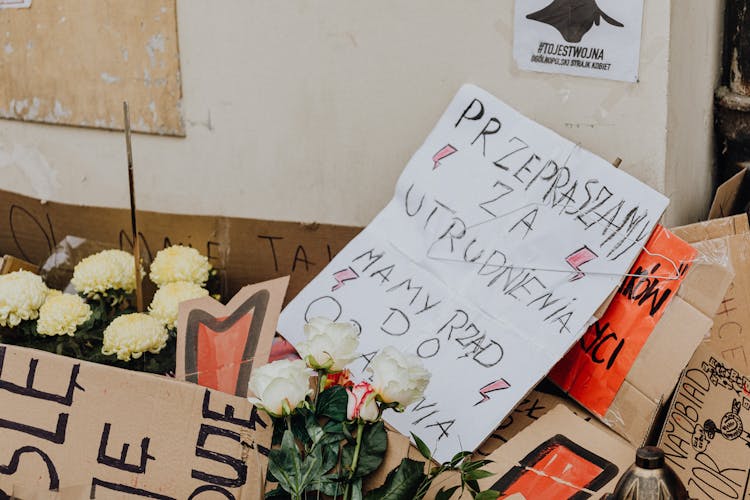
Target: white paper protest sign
{"type": "Point", "coordinates": [594, 38]}
{"type": "Point", "coordinates": [500, 243]}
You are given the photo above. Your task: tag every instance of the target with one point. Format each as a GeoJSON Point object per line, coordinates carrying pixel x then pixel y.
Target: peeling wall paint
{"type": "Point", "coordinates": [48, 52]}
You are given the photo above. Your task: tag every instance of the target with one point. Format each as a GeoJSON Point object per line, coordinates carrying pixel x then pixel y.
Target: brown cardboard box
{"type": "Point", "coordinates": [71, 429]}
{"type": "Point", "coordinates": [529, 410]}
{"type": "Point", "coordinates": [732, 197]}
{"type": "Point", "coordinates": [244, 250]}
{"type": "Point", "coordinates": [730, 334]}
{"type": "Point", "coordinates": [558, 456]}
{"type": "Point", "coordinates": [9, 264]}
{"type": "Point", "coordinates": [705, 436]}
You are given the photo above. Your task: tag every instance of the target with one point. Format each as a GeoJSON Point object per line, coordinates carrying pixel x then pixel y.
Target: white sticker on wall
{"type": "Point", "coordinates": [15, 4]}
{"type": "Point", "coordinates": [593, 38]}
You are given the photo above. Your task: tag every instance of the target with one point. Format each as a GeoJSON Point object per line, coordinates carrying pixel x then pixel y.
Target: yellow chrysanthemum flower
{"type": "Point", "coordinates": [106, 270]}
{"type": "Point", "coordinates": [21, 295]}
{"type": "Point", "coordinates": [62, 314]}
{"type": "Point", "coordinates": [167, 299]}
{"type": "Point", "coordinates": [130, 335]}
{"type": "Point", "coordinates": [179, 263]}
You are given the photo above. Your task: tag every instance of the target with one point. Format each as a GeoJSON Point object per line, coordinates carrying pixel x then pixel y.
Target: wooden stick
{"type": "Point", "coordinates": [617, 162]}
{"type": "Point", "coordinates": [133, 218]}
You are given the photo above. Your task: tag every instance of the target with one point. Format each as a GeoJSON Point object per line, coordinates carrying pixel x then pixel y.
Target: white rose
{"type": "Point", "coordinates": [398, 377]}
{"type": "Point", "coordinates": [280, 387]}
{"type": "Point", "coordinates": [329, 346]}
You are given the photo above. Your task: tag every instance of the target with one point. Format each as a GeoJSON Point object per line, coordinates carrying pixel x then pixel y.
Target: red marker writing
{"type": "Point", "coordinates": [497, 385]}
{"type": "Point", "coordinates": [342, 276]}
{"type": "Point", "coordinates": [579, 258]}
{"type": "Point", "coordinates": [443, 153]}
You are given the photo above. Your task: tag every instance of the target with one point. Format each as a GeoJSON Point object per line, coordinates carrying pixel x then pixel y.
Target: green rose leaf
{"type": "Point", "coordinates": [372, 450]}
{"type": "Point", "coordinates": [444, 494]}
{"type": "Point", "coordinates": [284, 463]}
{"type": "Point", "coordinates": [477, 464]}
{"type": "Point", "coordinates": [311, 468]}
{"type": "Point", "coordinates": [313, 428]}
{"type": "Point", "coordinates": [328, 485]}
{"type": "Point", "coordinates": [458, 457]}
{"type": "Point", "coordinates": [477, 474]}
{"type": "Point", "coordinates": [332, 403]}
{"type": "Point", "coordinates": [278, 494]}
{"type": "Point", "coordinates": [402, 482]}
{"type": "Point", "coordinates": [330, 453]}
{"type": "Point", "coordinates": [357, 490]}
{"type": "Point", "coordinates": [422, 447]}
{"type": "Point", "coordinates": [487, 495]}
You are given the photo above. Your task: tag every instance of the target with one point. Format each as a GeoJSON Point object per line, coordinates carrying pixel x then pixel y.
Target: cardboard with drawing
{"type": "Point", "coordinates": [705, 436]}
{"type": "Point", "coordinates": [558, 456]}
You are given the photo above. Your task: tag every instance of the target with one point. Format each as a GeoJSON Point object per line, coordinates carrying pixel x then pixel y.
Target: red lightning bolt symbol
{"type": "Point", "coordinates": [446, 151]}
{"type": "Point", "coordinates": [579, 258]}
{"type": "Point", "coordinates": [497, 385]}
{"type": "Point", "coordinates": [347, 274]}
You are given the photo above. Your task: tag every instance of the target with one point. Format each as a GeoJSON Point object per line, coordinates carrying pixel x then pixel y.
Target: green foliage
{"type": "Point", "coordinates": [374, 442]}
{"type": "Point", "coordinates": [469, 472]}
{"type": "Point", "coordinates": [293, 472]}
{"type": "Point", "coordinates": [87, 342]}
{"type": "Point", "coordinates": [332, 403]}
{"type": "Point", "coordinates": [401, 483]}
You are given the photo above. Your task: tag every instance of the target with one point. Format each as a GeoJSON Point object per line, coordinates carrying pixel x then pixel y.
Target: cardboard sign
{"type": "Point", "coordinates": [10, 264]}
{"type": "Point", "coordinates": [243, 250]}
{"type": "Point", "coordinates": [705, 437]}
{"type": "Point", "coordinates": [594, 38]}
{"type": "Point", "coordinates": [534, 406]}
{"type": "Point", "coordinates": [732, 197]}
{"type": "Point", "coordinates": [595, 369]}
{"type": "Point", "coordinates": [501, 242]}
{"type": "Point", "coordinates": [559, 456]}
{"type": "Point", "coordinates": [218, 346]}
{"type": "Point", "coordinates": [729, 333]}
{"type": "Point", "coordinates": [72, 429]}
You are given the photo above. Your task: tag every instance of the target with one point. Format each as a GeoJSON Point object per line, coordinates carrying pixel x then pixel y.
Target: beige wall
{"type": "Point", "coordinates": [696, 38]}
{"type": "Point", "coordinates": [309, 110]}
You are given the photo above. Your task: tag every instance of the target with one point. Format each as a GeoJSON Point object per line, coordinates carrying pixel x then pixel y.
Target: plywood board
{"type": "Point", "coordinates": [74, 62]}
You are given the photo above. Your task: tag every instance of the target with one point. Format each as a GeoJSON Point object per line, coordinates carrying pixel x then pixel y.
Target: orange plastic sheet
{"type": "Point", "coordinates": [594, 369]}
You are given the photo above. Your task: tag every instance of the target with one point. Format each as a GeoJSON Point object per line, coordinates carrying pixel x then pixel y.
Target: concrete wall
{"type": "Point", "coordinates": [696, 38]}
{"type": "Point", "coordinates": [309, 110]}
